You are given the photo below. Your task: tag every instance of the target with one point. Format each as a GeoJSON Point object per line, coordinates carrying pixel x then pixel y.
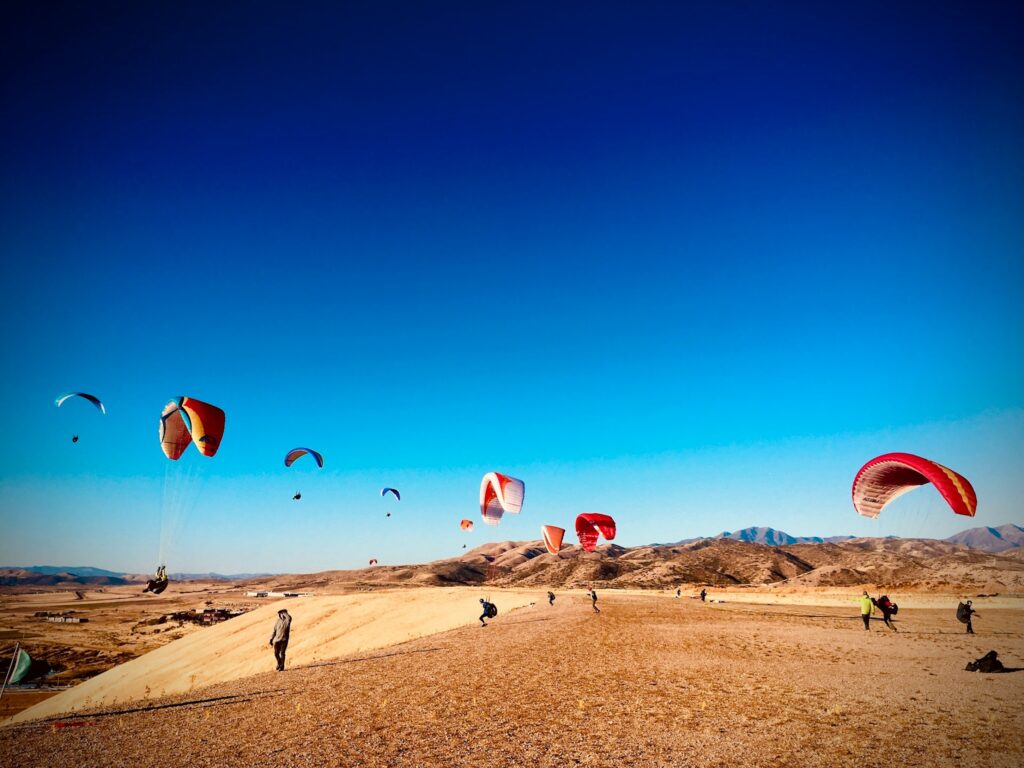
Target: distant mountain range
{"type": "Point", "coordinates": [772, 538]}
{"type": "Point", "coordinates": [756, 555]}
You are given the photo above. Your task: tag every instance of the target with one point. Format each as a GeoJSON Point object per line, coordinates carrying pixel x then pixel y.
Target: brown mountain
{"type": "Point", "coordinates": [906, 563]}
{"type": "Point", "coordinates": [999, 539]}
{"type": "Point", "coordinates": [20, 577]}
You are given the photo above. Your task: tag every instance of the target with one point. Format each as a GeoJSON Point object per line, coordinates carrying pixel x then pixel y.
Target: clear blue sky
{"type": "Point", "coordinates": [687, 264]}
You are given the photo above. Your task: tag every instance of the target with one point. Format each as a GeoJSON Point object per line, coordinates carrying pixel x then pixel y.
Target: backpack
{"type": "Point", "coordinates": [491, 610]}
{"type": "Point", "coordinates": [963, 613]}
{"type": "Point", "coordinates": [988, 663]}
{"type": "Point", "coordinates": [888, 605]}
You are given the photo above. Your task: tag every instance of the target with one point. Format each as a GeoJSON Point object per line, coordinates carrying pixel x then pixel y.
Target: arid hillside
{"type": "Point", "coordinates": [904, 563]}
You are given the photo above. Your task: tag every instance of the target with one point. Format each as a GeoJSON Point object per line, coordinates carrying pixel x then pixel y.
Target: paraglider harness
{"type": "Point", "coordinates": [159, 583]}
{"type": "Point", "coordinates": [963, 613]}
{"type": "Point", "coordinates": [888, 606]}
{"type": "Point", "coordinates": [987, 663]}
{"type": "Point", "coordinates": [490, 610]}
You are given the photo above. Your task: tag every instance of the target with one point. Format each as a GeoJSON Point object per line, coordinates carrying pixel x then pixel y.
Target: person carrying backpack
{"type": "Point", "coordinates": [551, 598]}
{"type": "Point", "coordinates": [490, 610]}
{"type": "Point", "coordinates": [964, 613]}
{"type": "Point", "coordinates": [888, 609]}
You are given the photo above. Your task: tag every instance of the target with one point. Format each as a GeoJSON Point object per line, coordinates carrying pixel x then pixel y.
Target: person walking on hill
{"type": "Point", "coordinates": [703, 594]}
{"type": "Point", "coordinates": [282, 632]}
{"type": "Point", "coordinates": [888, 608]}
{"type": "Point", "coordinates": [866, 607]}
{"type": "Point", "coordinates": [551, 598]}
{"type": "Point", "coordinates": [679, 592]}
{"type": "Point", "coordinates": [593, 600]}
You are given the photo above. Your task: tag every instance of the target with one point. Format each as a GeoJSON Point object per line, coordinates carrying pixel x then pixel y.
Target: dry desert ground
{"type": "Point", "coordinates": [649, 681]}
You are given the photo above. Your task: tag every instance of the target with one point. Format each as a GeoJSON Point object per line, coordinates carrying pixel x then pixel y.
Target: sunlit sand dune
{"type": "Point", "coordinates": [323, 628]}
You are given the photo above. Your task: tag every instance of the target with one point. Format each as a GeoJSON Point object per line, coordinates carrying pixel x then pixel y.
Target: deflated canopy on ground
{"type": "Point", "coordinates": [890, 475]}
{"type": "Point", "coordinates": [91, 398]}
{"type": "Point", "coordinates": [185, 420]}
{"type": "Point", "coordinates": [589, 525]}
{"type": "Point", "coordinates": [296, 453]}
{"type": "Point", "coordinates": [500, 494]}
{"type": "Point", "coordinates": [552, 537]}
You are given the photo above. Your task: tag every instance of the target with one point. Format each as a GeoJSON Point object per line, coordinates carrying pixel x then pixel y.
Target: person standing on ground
{"type": "Point", "coordinates": [593, 600]}
{"type": "Point", "coordinates": [866, 607]}
{"type": "Point", "coordinates": [551, 598]}
{"type": "Point", "coordinates": [964, 613]}
{"type": "Point", "coordinates": [703, 594]}
{"type": "Point", "coordinates": [679, 592]}
{"type": "Point", "coordinates": [888, 608]}
{"type": "Point", "coordinates": [282, 631]}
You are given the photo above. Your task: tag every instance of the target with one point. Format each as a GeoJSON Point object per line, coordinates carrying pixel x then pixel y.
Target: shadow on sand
{"type": "Point", "coordinates": [365, 658]}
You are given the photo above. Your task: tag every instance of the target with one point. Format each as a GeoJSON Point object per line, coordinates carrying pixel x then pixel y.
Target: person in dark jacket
{"type": "Point", "coordinates": [965, 613]}
{"type": "Point", "coordinates": [488, 611]}
{"type": "Point", "coordinates": [593, 600]}
{"type": "Point", "coordinates": [888, 608]}
{"type": "Point", "coordinates": [703, 595]}
{"type": "Point", "coordinates": [551, 598]}
{"type": "Point", "coordinates": [279, 640]}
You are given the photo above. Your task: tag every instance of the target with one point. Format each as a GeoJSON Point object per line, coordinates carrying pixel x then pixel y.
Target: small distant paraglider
{"type": "Point", "coordinates": [394, 492]}
{"type": "Point", "coordinates": [552, 537]}
{"type": "Point", "coordinates": [373, 561]}
{"type": "Point", "coordinates": [500, 494]}
{"type": "Point", "coordinates": [85, 396]}
{"type": "Point", "coordinates": [589, 525]}
{"type": "Point", "coordinates": [890, 475]}
{"type": "Point", "coordinates": [296, 453]}
{"type": "Point", "coordinates": [91, 398]}
{"type": "Point", "coordinates": [466, 525]}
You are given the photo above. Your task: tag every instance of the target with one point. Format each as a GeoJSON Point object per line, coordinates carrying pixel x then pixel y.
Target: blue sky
{"type": "Point", "coordinates": [687, 265]}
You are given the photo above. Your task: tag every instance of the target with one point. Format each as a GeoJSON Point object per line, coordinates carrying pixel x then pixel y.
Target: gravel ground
{"type": "Point", "coordinates": [649, 681]}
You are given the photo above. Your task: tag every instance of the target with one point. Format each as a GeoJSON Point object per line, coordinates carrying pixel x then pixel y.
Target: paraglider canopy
{"type": "Point", "coordinates": [296, 453]}
{"type": "Point", "coordinates": [552, 537]}
{"type": "Point", "coordinates": [373, 561]}
{"type": "Point", "coordinates": [500, 494]}
{"type": "Point", "coordinates": [589, 525]}
{"type": "Point", "coordinates": [466, 525]}
{"type": "Point", "coordinates": [185, 420]}
{"type": "Point", "coordinates": [393, 491]}
{"type": "Point", "coordinates": [91, 398]}
{"type": "Point", "coordinates": [890, 475]}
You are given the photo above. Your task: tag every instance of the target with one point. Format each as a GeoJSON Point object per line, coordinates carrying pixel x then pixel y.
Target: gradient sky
{"type": "Point", "coordinates": [687, 264]}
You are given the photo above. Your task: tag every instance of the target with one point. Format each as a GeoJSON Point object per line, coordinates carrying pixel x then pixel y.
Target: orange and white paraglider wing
{"type": "Point", "coordinates": [500, 494]}
{"type": "Point", "coordinates": [589, 525]}
{"type": "Point", "coordinates": [890, 475]}
{"type": "Point", "coordinates": [466, 525]}
{"type": "Point", "coordinates": [207, 424]}
{"type": "Point", "coordinates": [174, 432]}
{"type": "Point", "coordinates": [552, 537]}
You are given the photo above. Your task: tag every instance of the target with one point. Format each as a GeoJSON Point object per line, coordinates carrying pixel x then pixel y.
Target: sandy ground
{"type": "Point", "coordinates": [324, 628]}
{"type": "Point", "coordinates": [650, 681]}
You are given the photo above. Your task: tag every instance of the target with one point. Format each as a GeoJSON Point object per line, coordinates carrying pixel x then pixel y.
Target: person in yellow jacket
{"type": "Point", "coordinates": [866, 608]}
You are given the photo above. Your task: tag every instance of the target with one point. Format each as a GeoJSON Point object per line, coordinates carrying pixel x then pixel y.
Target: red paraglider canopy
{"type": "Point", "coordinates": [589, 525]}
{"type": "Point", "coordinates": [886, 477]}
